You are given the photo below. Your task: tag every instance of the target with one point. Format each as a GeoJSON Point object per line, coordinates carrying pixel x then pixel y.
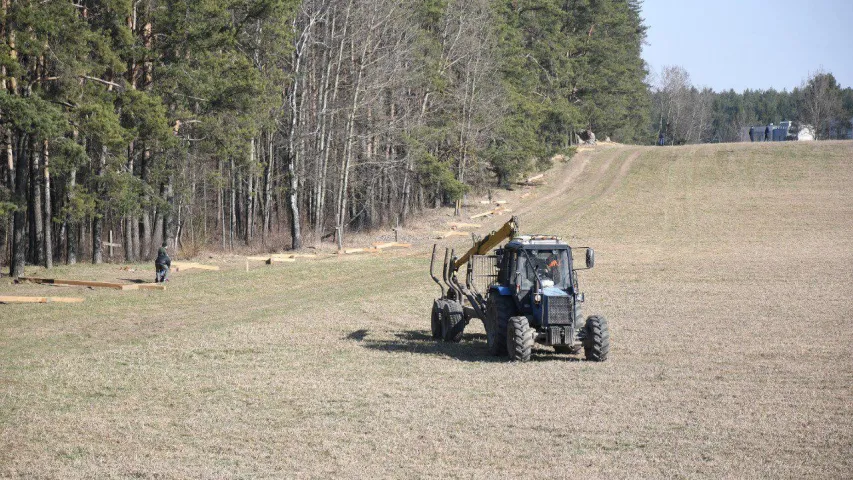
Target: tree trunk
{"type": "Point", "coordinates": [232, 224]}
{"type": "Point", "coordinates": [71, 233]}
{"type": "Point", "coordinates": [48, 211]}
{"type": "Point", "coordinates": [98, 221]}
{"type": "Point", "coordinates": [268, 185]}
{"type": "Point", "coordinates": [36, 214]}
{"type": "Point", "coordinates": [145, 250]}
{"type": "Point", "coordinates": [19, 219]}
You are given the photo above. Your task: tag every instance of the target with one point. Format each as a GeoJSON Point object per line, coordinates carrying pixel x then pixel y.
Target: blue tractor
{"type": "Point", "coordinates": [525, 292]}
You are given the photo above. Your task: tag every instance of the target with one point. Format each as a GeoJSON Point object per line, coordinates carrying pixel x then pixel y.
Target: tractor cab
{"type": "Point", "coordinates": [537, 271]}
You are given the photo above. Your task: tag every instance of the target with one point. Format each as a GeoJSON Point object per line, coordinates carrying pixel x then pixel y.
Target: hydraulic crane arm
{"type": "Point", "coordinates": [490, 241]}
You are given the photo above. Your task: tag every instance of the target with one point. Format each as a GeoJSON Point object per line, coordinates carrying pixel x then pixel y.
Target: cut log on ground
{"type": "Point", "coordinates": [496, 211]}
{"type": "Point", "coordinates": [272, 260]}
{"type": "Point", "coordinates": [350, 251]}
{"type": "Point", "coordinates": [452, 233]}
{"type": "Point", "coordinates": [144, 286]}
{"type": "Point", "coordinates": [457, 226]}
{"type": "Point", "coordinates": [41, 300]}
{"type": "Point", "coordinates": [178, 266]}
{"type": "Point", "coordinates": [382, 246]}
{"type": "Point", "coordinates": [90, 284]}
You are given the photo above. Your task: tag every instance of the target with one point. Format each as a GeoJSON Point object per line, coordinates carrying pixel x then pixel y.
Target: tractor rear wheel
{"type": "Point", "coordinates": [435, 321]}
{"type": "Point", "coordinates": [596, 342]}
{"type": "Point", "coordinates": [498, 312]}
{"type": "Point", "coordinates": [519, 339]}
{"type": "Point", "coordinates": [450, 318]}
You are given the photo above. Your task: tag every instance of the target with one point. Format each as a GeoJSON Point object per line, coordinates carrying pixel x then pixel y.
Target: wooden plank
{"type": "Point", "coordinates": [257, 259]}
{"type": "Point", "coordinates": [500, 202]}
{"type": "Point", "coordinates": [485, 202]}
{"type": "Point", "coordinates": [41, 300]}
{"type": "Point", "coordinates": [534, 178]}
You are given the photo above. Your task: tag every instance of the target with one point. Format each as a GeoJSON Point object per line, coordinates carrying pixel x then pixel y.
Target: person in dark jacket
{"type": "Point", "coordinates": [766, 133]}
{"type": "Point", "coordinates": [660, 139]}
{"type": "Point", "coordinates": [751, 134]}
{"type": "Point", "coordinates": [162, 264]}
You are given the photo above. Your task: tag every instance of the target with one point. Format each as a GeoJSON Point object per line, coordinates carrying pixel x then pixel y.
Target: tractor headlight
{"type": "Point", "coordinates": [537, 298]}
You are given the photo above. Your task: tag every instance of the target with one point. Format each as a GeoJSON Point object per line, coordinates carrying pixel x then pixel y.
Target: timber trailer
{"type": "Point", "coordinates": [525, 292]}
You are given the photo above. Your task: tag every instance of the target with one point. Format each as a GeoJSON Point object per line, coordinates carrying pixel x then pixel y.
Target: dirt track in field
{"type": "Point", "coordinates": [726, 272]}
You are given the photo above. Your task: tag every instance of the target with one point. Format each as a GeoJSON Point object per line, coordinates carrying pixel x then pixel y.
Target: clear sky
{"type": "Point", "coordinates": [751, 44]}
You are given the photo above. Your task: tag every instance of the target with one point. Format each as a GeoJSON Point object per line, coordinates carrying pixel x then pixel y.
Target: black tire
{"type": "Point", "coordinates": [435, 320]}
{"type": "Point", "coordinates": [596, 342]}
{"type": "Point", "coordinates": [498, 312]}
{"type": "Point", "coordinates": [451, 316]}
{"type": "Point", "coordinates": [519, 339]}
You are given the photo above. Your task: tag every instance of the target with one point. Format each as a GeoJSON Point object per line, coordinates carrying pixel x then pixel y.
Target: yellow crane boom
{"type": "Point", "coordinates": [490, 241]}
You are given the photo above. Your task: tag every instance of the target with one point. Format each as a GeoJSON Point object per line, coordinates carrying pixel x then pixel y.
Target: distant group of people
{"type": "Point", "coordinates": [756, 136]}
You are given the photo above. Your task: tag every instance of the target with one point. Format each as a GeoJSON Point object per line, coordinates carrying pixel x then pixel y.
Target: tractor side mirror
{"type": "Point", "coordinates": [590, 258]}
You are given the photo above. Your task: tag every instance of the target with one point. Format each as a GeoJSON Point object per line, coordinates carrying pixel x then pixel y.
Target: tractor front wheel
{"type": "Point", "coordinates": [519, 339]}
{"type": "Point", "coordinates": [596, 342]}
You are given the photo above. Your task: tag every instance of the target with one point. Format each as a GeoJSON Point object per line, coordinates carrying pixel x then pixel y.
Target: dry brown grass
{"type": "Point", "coordinates": [725, 272]}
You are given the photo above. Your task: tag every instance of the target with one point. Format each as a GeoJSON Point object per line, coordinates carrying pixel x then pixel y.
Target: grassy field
{"type": "Point", "coordinates": [726, 273]}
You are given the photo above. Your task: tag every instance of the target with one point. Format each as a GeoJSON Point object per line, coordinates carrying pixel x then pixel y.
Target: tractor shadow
{"type": "Point", "coordinates": [472, 348]}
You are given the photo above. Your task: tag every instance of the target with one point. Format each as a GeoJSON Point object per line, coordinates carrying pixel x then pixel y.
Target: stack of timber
{"type": "Point", "coordinates": [86, 283]}
{"type": "Point", "coordinates": [41, 300]}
